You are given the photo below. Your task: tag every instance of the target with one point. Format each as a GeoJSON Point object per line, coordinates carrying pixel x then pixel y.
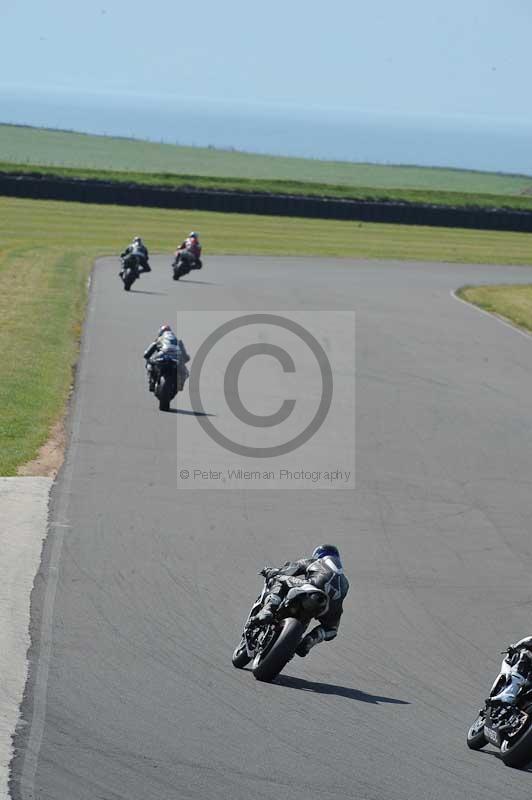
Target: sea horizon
{"type": "Point", "coordinates": [481, 144]}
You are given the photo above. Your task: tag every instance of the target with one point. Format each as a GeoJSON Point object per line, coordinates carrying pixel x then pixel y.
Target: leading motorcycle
{"type": "Point", "coordinates": [507, 726]}
{"type": "Point", "coordinates": [270, 647]}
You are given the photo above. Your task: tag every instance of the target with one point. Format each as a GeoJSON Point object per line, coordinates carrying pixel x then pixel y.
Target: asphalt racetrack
{"type": "Point", "coordinates": [144, 588]}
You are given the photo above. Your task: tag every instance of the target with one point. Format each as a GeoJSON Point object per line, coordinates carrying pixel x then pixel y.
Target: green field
{"type": "Point", "coordinates": [47, 249]}
{"type": "Point", "coordinates": [523, 202]}
{"type": "Point", "coordinates": [176, 165]}
{"type": "Point", "coordinates": [513, 302]}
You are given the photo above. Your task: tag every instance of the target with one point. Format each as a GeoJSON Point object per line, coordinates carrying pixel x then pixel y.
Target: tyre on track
{"type": "Point", "coordinates": [163, 394]}
{"type": "Point", "coordinates": [520, 753]}
{"type": "Point", "coordinates": [129, 280]}
{"type": "Point", "coordinates": [240, 656]}
{"type": "Point", "coordinates": [267, 666]}
{"type": "Point", "coordinates": [476, 738]}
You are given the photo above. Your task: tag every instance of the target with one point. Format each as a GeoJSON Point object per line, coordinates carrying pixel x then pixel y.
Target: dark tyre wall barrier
{"type": "Point", "coordinates": [83, 191]}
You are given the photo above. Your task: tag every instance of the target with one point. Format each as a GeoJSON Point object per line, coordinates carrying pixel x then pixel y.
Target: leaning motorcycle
{"type": "Point", "coordinates": [270, 647]}
{"type": "Point", "coordinates": [507, 726]}
{"type": "Point", "coordinates": [130, 271]}
{"type": "Point", "coordinates": [164, 380]}
{"type": "Point", "coordinates": [184, 263]}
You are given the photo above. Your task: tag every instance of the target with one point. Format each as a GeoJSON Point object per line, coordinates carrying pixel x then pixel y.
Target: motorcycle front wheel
{"type": "Point", "coordinates": [129, 280]}
{"type": "Point", "coordinates": [476, 738]}
{"type": "Point", "coordinates": [240, 656]}
{"type": "Point", "coordinates": [267, 665]}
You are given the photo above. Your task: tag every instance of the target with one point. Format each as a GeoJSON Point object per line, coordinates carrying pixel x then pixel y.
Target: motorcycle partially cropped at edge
{"type": "Point", "coordinates": [507, 726]}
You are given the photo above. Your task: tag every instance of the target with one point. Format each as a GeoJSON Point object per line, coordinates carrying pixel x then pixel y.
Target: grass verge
{"type": "Point", "coordinates": [46, 253]}
{"type": "Point", "coordinates": [67, 153]}
{"type": "Point", "coordinates": [513, 302]}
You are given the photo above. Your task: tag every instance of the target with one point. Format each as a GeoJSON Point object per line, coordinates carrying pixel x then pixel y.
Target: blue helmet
{"type": "Point", "coordinates": [324, 550]}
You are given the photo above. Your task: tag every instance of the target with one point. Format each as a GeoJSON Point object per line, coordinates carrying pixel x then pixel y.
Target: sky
{"type": "Point", "coordinates": [461, 59]}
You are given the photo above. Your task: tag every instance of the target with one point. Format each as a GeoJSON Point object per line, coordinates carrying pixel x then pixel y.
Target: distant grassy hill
{"type": "Point", "coordinates": [110, 158]}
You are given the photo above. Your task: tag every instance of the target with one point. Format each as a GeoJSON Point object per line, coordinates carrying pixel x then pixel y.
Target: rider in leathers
{"type": "Point", "coordinates": [167, 345]}
{"type": "Point", "coordinates": [323, 570]}
{"type": "Point", "coordinates": [519, 658]}
{"type": "Point", "coordinates": [138, 248]}
{"type": "Point", "coordinates": [192, 247]}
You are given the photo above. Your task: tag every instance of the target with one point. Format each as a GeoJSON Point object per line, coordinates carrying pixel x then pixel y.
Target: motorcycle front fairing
{"type": "Point", "coordinates": [502, 677]}
{"type": "Point", "coordinates": [501, 718]}
{"type": "Point", "coordinates": [249, 634]}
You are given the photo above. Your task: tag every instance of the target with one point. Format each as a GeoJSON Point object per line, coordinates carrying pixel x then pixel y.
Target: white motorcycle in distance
{"type": "Point", "coordinates": [272, 646]}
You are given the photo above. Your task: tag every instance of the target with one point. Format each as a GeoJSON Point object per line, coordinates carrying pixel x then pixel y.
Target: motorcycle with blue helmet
{"type": "Point", "coordinates": [292, 596]}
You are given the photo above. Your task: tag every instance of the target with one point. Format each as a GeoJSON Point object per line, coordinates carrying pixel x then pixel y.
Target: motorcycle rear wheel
{"type": "Point", "coordinates": [163, 394]}
{"type": "Point", "coordinates": [520, 753]}
{"type": "Point", "coordinates": [129, 280]}
{"type": "Point", "coordinates": [266, 666]}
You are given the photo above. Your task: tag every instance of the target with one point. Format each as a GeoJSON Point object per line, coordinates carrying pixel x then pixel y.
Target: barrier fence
{"type": "Point", "coordinates": [92, 191]}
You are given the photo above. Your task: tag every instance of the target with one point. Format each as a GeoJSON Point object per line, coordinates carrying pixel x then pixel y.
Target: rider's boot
{"type": "Point", "coordinates": [265, 615]}
{"type": "Point", "coordinates": [313, 638]}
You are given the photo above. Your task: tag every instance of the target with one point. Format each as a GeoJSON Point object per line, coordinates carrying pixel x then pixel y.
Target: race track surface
{"type": "Point", "coordinates": [144, 588]}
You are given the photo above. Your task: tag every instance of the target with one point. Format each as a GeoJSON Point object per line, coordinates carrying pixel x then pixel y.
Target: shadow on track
{"type": "Point", "coordinates": [340, 691]}
{"type": "Point", "coordinates": [496, 754]}
{"type": "Point", "coordinates": [189, 413]}
{"type": "Point", "coordinates": [145, 291]}
{"type": "Point", "coordinates": [206, 283]}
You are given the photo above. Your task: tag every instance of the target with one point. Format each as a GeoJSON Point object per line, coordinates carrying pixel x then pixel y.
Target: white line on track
{"type": "Point", "coordinates": [489, 314]}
